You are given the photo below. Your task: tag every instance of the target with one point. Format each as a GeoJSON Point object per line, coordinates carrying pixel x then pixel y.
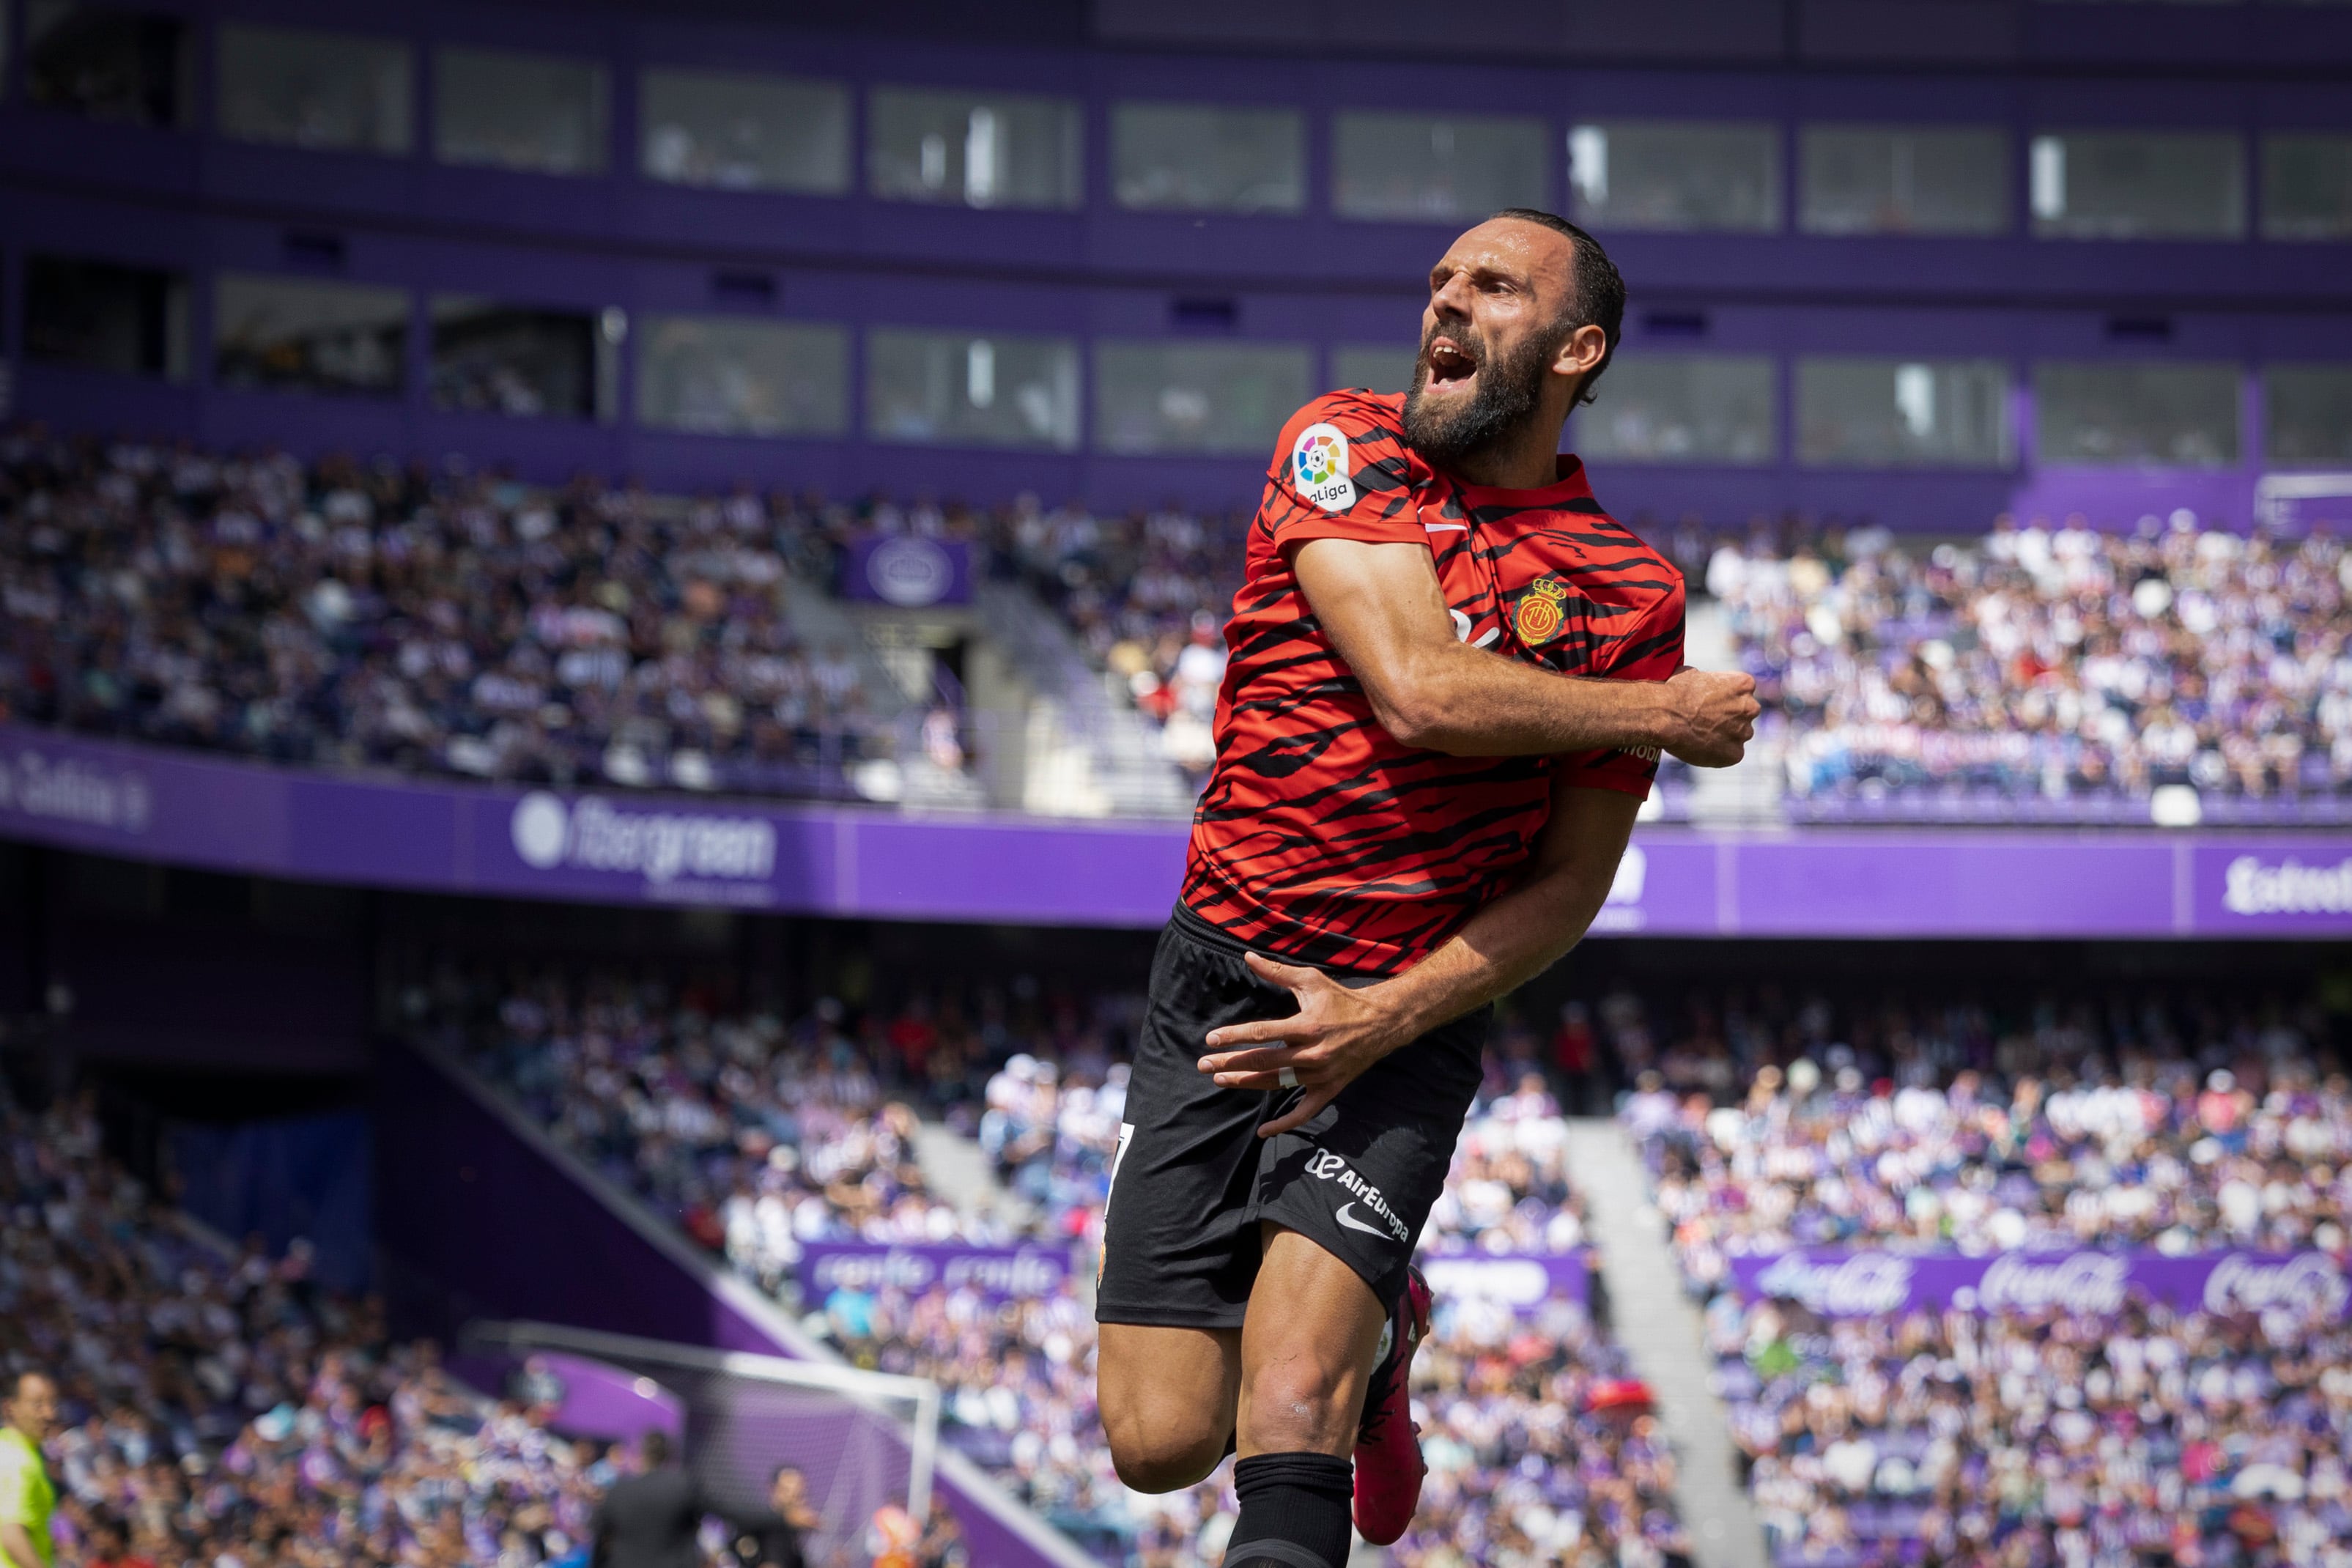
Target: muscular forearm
{"type": "Point", "coordinates": [1463, 701]}
{"type": "Point", "coordinates": [1506, 943]}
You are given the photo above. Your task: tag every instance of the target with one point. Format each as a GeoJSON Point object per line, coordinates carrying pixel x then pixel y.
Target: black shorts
{"type": "Point", "coordinates": [1191, 1179]}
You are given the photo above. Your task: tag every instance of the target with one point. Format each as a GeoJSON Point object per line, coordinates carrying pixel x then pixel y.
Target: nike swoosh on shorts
{"type": "Point", "coordinates": [1353, 1223]}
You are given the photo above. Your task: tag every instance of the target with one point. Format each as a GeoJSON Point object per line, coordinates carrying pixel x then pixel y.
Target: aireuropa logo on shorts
{"type": "Point", "coordinates": [68, 789]}
{"type": "Point", "coordinates": [2251, 887]}
{"type": "Point", "coordinates": [668, 849]}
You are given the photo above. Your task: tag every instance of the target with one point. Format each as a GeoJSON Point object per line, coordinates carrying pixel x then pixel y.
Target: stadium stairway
{"type": "Point", "coordinates": [957, 1169]}
{"type": "Point", "coordinates": [1660, 1327]}
{"type": "Point", "coordinates": [1087, 751]}
{"type": "Point", "coordinates": [1751, 791]}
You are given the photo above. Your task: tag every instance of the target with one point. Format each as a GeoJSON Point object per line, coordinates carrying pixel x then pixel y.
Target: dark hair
{"type": "Point", "coordinates": [1600, 299]}
{"type": "Point", "coordinates": [655, 1446]}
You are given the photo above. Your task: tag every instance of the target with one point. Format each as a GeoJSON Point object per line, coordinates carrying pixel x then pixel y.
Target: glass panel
{"type": "Point", "coordinates": [1894, 412]}
{"type": "Point", "coordinates": [489, 358]}
{"type": "Point", "coordinates": [2174, 414]}
{"type": "Point", "coordinates": [1437, 167]}
{"type": "Point", "coordinates": [745, 132]}
{"type": "Point", "coordinates": [1203, 157]}
{"type": "Point", "coordinates": [956, 389]}
{"type": "Point", "coordinates": [1374, 368]}
{"type": "Point", "coordinates": [1888, 179]}
{"type": "Point", "coordinates": [1665, 174]}
{"type": "Point", "coordinates": [294, 335]}
{"type": "Point", "coordinates": [99, 316]}
{"type": "Point", "coordinates": [2138, 184]}
{"type": "Point", "coordinates": [2307, 186]}
{"type": "Point", "coordinates": [502, 110]}
{"type": "Point", "coordinates": [997, 150]}
{"type": "Point", "coordinates": [2307, 416]}
{"type": "Point", "coordinates": [107, 64]}
{"type": "Point", "coordinates": [724, 375]}
{"type": "Point", "coordinates": [1197, 397]}
{"type": "Point", "coordinates": [1682, 408]}
{"type": "Point", "coordinates": [313, 89]}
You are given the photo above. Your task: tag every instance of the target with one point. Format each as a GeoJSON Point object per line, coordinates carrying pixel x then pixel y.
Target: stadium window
{"type": "Point", "coordinates": [98, 315]}
{"type": "Point", "coordinates": [1436, 167]}
{"type": "Point", "coordinates": [2149, 414]}
{"type": "Point", "coordinates": [130, 67]}
{"type": "Point", "coordinates": [723, 375]}
{"type": "Point", "coordinates": [2137, 184]}
{"type": "Point", "coordinates": [1206, 157]}
{"type": "Point", "coordinates": [1903, 179]}
{"type": "Point", "coordinates": [991, 150]}
{"type": "Point", "coordinates": [2306, 185]}
{"type": "Point", "coordinates": [494, 358]}
{"type": "Point", "coordinates": [1890, 413]}
{"type": "Point", "coordinates": [959, 389]}
{"type": "Point", "coordinates": [296, 334]}
{"type": "Point", "coordinates": [1668, 176]}
{"type": "Point", "coordinates": [324, 90]}
{"type": "Point", "coordinates": [744, 132]}
{"type": "Point", "coordinates": [2307, 416]}
{"type": "Point", "coordinates": [1377, 369]}
{"type": "Point", "coordinates": [1682, 408]}
{"type": "Point", "coordinates": [499, 109]}
{"type": "Point", "coordinates": [1221, 399]}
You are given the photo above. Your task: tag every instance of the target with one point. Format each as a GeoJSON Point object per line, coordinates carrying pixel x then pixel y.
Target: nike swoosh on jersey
{"type": "Point", "coordinates": [1353, 1223]}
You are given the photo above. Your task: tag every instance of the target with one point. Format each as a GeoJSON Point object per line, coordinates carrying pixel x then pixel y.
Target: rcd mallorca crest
{"type": "Point", "coordinates": [1538, 616]}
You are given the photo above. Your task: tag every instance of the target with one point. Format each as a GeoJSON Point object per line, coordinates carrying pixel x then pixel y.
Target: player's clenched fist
{"type": "Point", "coordinates": [1714, 715]}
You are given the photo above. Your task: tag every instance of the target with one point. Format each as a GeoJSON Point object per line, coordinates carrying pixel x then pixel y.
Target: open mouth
{"type": "Point", "coordinates": [1451, 365]}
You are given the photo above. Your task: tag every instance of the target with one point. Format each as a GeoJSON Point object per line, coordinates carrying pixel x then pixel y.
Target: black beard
{"type": "Point", "coordinates": [1508, 391]}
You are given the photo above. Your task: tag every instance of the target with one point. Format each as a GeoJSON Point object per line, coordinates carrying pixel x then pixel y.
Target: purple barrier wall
{"type": "Point", "coordinates": [1519, 1280]}
{"type": "Point", "coordinates": [188, 809]}
{"type": "Point", "coordinates": [477, 1220]}
{"type": "Point", "coordinates": [1852, 1284]}
{"type": "Point", "coordinates": [1000, 1273]}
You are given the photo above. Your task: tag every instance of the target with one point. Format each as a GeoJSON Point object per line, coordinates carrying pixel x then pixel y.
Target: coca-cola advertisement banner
{"type": "Point", "coordinates": [999, 1273]}
{"type": "Point", "coordinates": [1521, 1281]}
{"type": "Point", "coordinates": [1859, 1284]}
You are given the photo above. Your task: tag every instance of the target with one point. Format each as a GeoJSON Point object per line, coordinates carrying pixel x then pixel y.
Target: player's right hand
{"type": "Point", "coordinates": [1712, 716]}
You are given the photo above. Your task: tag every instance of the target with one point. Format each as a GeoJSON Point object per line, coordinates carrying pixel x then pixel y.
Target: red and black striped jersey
{"type": "Point", "coordinates": [1321, 839]}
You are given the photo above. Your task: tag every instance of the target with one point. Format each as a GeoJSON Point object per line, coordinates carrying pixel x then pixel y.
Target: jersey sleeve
{"type": "Point", "coordinates": [20, 1492]}
{"type": "Point", "coordinates": [1341, 471]}
{"type": "Point", "coordinates": [1651, 649]}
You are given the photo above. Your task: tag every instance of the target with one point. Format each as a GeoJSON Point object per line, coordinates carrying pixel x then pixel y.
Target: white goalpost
{"type": "Point", "coordinates": [862, 1438]}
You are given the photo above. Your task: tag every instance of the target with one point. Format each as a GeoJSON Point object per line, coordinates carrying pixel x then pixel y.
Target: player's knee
{"type": "Point", "coordinates": [1301, 1404]}
{"type": "Point", "coordinates": [1160, 1455]}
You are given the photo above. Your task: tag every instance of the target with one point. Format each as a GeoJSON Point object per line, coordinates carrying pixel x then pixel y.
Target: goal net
{"type": "Point", "coordinates": [863, 1439]}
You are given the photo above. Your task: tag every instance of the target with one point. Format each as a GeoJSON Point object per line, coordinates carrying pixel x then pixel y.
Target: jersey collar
{"type": "Point", "coordinates": [1570, 486]}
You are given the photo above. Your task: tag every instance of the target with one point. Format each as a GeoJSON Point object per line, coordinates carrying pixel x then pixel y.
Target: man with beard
{"type": "Point", "coordinates": [1451, 677]}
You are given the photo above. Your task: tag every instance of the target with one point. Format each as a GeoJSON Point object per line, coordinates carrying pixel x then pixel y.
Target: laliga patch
{"type": "Point", "coordinates": [1319, 465]}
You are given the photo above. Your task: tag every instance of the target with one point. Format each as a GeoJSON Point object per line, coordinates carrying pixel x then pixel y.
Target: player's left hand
{"type": "Point", "coordinates": [1337, 1032]}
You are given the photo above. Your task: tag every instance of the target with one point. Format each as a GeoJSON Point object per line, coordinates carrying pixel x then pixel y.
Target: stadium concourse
{"type": "Point", "coordinates": [352, 615]}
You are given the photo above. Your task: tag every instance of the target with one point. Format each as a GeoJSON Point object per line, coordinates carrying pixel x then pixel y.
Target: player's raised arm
{"type": "Point", "coordinates": [1380, 604]}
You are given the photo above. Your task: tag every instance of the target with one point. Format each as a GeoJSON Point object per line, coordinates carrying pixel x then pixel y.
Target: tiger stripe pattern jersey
{"type": "Point", "coordinates": [1322, 839]}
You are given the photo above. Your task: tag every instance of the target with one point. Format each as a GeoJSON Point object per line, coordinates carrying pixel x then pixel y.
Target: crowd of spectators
{"type": "Point", "coordinates": [761, 1135]}
{"type": "Point", "coordinates": [2060, 671]}
{"type": "Point", "coordinates": [2045, 1439]}
{"type": "Point", "coordinates": [2060, 1436]}
{"type": "Point", "coordinates": [221, 1411]}
{"type": "Point", "coordinates": [384, 616]}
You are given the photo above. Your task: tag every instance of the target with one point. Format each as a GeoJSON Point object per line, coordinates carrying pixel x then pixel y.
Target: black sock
{"type": "Point", "coordinates": [1294, 1509]}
